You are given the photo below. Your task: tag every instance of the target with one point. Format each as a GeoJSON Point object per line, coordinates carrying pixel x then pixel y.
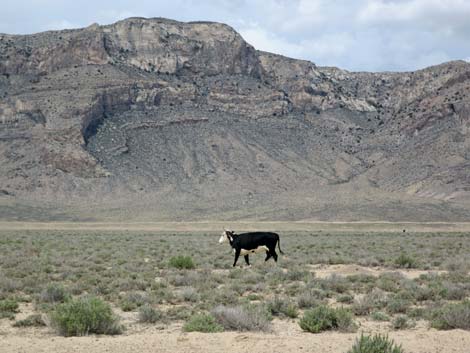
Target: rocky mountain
{"type": "Point", "coordinates": [153, 119]}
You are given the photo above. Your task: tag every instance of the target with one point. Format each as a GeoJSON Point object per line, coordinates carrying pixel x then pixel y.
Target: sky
{"type": "Point", "coordinates": [357, 35]}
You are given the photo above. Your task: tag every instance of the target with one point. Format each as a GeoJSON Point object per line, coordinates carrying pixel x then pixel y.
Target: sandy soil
{"type": "Point", "coordinates": [217, 226]}
{"type": "Point", "coordinates": [285, 337]}
{"type": "Point", "coordinates": [323, 271]}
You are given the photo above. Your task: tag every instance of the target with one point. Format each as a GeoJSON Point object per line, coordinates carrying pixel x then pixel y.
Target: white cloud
{"type": "Point", "coordinates": [262, 39]}
{"type": "Point", "coordinates": [430, 13]}
{"type": "Point", "coordinates": [108, 16]}
{"type": "Point", "coordinates": [60, 24]}
{"type": "Point", "coordinates": [322, 47]}
{"type": "Point", "coordinates": [432, 58]}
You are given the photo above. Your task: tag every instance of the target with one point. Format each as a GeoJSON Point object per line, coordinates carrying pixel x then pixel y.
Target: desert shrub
{"type": "Point", "coordinates": [32, 320]}
{"type": "Point", "coordinates": [452, 316]}
{"type": "Point", "coordinates": [345, 321]}
{"type": "Point", "coordinates": [323, 318]}
{"type": "Point", "coordinates": [242, 318]}
{"type": "Point", "coordinates": [379, 316]}
{"type": "Point", "coordinates": [182, 262]}
{"type": "Point", "coordinates": [376, 299]}
{"type": "Point", "coordinates": [401, 322]}
{"type": "Point", "coordinates": [397, 305]}
{"type": "Point", "coordinates": [453, 291]}
{"type": "Point", "coordinates": [345, 298]}
{"type": "Point", "coordinates": [9, 305]}
{"type": "Point", "coordinates": [424, 293]}
{"type": "Point", "coordinates": [54, 293]}
{"type": "Point", "coordinates": [335, 283]}
{"type": "Point", "coordinates": [417, 313]}
{"type": "Point", "coordinates": [148, 314]}
{"type": "Point", "coordinates": [80, 317]}
{"type": "Point", "coordinates": [185, 279]}
{"type": "Point", "coordinates": [362, 278]}
{"type": "Point", "coordinates": [202, 323]}
{"type": "Point", "coordinates": [9, 285]}
{"type": "Point", "coordinates": [405, 261]}
{"type": "Point", "coordinates": [456, 265]}
{"type": "Point", "coordinates": [189, 294]}
{"type": "Point", "coordinates": [179, 313]}
{"type": "Point", "coordinates": [375, 344]}
{"type": "Point", "coordinates": [310, 299]}
{"type": "Point", "coordinates": [225, 296]}
{"type": "Point", "coordinates": [279, 306]}
{"type": "Point", "coordinates": [296, 274]}
{"type": "Point", "coordinates": [133, 301]}
{"type": "Point", "coordinates": [8, 308]}
{"type": "Point", "coordinates": [390, 281]}
{"type": "Point", "coordinates": [254, 297]}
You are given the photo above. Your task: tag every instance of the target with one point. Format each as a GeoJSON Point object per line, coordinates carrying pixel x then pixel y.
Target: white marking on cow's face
{"type": "Point", "coordinates": [226, 236]}
{"type": "Point", "coordinates": [223, 238]}
{"type": "Point", "coordinates": [253, 251]}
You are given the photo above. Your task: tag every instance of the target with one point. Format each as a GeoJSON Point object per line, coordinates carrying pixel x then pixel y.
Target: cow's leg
{"type": "Point", "coordinates": [237, 255]}
{"type": "Point", "coordinates": [268, 256]}
{"type": "Point", "coordinates": [247, 260]}
{"type": "Point", "coordinates": [274, 255]}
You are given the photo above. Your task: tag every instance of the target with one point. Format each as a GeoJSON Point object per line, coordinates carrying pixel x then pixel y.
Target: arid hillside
{"type": "Point", "coordinates": [153, 119]}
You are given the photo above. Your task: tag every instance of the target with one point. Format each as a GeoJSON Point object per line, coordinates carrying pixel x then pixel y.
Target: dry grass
{"type": "Point", "coordinates": [131, 270]}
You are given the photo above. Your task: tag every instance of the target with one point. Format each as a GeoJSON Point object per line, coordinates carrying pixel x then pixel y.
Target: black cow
{"type": "Point", "coordinates": [250, 243]}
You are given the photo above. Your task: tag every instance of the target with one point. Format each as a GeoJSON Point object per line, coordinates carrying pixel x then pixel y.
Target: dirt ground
{"type": "Point", "coordinates": [218, 226]}
{"type": "Point", "coordinates": [324, 271]}
{"type": "Point", "coordinates": [285, 337]}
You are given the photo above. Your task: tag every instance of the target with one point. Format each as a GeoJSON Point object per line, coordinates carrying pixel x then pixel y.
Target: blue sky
{"type": "Point", "coordinates": [359, 35]}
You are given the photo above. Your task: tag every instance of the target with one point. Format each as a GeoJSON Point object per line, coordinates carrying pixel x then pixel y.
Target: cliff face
{"type": "Point", "coordinates": [158, 119]}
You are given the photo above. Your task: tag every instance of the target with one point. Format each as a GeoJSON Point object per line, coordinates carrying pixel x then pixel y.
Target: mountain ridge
{"type": "Point", "coordinates": [160, 119]}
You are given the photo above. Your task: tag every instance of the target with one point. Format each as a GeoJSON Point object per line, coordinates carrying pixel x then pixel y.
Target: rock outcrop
{"type": "Point", "coordinates": [158, 119]}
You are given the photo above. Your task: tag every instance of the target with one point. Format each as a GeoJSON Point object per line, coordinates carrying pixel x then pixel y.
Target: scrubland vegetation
{"type": "Point", "coordinates": [79, 282]}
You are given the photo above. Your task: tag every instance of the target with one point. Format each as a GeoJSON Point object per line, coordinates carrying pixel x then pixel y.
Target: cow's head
{"type": "Point", "coordinates": [226, 235]}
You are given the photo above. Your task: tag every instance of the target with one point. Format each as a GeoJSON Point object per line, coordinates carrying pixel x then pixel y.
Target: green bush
{"type": "Point", "coordinates": [345, 298]}
{"type": "Point", "coordinates": [401, 322]}
{"type": "Point", "coordinates": [279, 307]}
{"type": "Point", "coordinates": [54, 294]}
{"type": "Point", "coordinates": [323, 318]}
{"type": "Point", "coordinates": [8, 306]}
{"type": "Point", "coordinates": [345, 321]}
{"type": "Point", "coordinates": [83, 316]}
{"type": "Point", "coordinates": [397, 305]}
{"type": "Point", "coordinates": [149, 315]}
{"type": "Point", "coordinates": [133, 301]}
{"type": "Point", "coordinates": [375, 344]}
{"type": "Point", "coordinates": [452, 316]}
{"type": "Point", "coordinates": [202, 323]}
{"type": "Point", "coordinates": [182, 262]}
{"type": "Point", "coordinates": [405, 261]}
{"type": "Point", "coordinates": [379, 316]}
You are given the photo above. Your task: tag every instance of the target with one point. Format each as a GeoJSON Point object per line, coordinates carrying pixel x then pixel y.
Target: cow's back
{"type": "Point", "coordinates": [254, 239]}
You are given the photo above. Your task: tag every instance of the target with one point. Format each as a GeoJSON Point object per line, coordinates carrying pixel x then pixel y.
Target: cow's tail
{"type": "Point", "coordinates": [279, 245]}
